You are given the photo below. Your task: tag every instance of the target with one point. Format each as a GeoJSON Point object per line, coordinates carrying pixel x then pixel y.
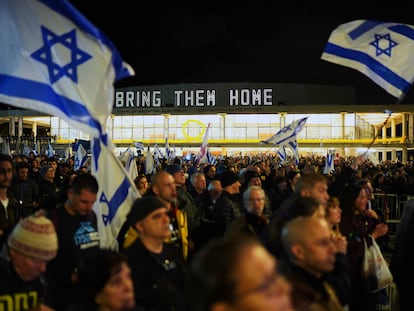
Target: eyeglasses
{"type": "Point", "coordinates": [256, 200]}
{"type": "Point", "coordinates": [267, 287]}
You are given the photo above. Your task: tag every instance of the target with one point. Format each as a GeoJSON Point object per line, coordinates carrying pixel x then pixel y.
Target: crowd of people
{"type": "Point", "coordinates": [248, 233]}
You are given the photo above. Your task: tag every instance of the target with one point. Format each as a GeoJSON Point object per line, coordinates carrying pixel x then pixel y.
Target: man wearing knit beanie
{"type": "Point", "coordinates": [31, 244]}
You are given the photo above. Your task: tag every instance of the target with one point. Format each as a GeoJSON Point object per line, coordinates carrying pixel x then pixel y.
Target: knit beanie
{"type": "Point", "coordinates": [34, 236]}
{"type": "Point", "coordinates": [142, 207]}
{"type": "Point", "coordinates": [43, 170]}
{"type": "Point", "coordinates": [227, 178]}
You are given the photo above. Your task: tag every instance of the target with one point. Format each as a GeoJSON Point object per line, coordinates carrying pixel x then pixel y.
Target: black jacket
{"type": "Point", "coordinates": [160, 281]}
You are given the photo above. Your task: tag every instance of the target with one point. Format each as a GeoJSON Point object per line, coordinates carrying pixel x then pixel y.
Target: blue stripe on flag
{"type": "Point", "coordinates": [403, 30]}
{"type": "Point", "coordinates": [96, 152]}
{"type": "Point", "coordinates": [384, 72]}
{"type": "Point", "coordinates": [363, 28]}
{"type": "Point", "coordinates": [369, 25]}
{"type": "Point", "coordinates": [13, 86]}
{"type": "Point", "coordinates": [117, 199]}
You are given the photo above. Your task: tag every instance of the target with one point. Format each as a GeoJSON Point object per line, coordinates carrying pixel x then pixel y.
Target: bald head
{"type": "Point", "coordinates": [308, 243]}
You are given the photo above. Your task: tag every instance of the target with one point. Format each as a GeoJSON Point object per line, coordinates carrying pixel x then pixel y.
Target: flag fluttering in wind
{"type": "Point", "coordinates": [329, 163]}
{"type": "Point", "coordinates": [5, 148]}
{"type": "Point", "coordinates": [293, 144]}
{"type": "Point", "coordinates": [37, 148]}
{"type": "Point", "coordinates": [53, 60]}
{"type": "Point", "coordinates": [128, 158]}
{"type": "Point", "coordinates": [81, 157]}
{"type": "Point", "coordinates": [26, 149]}
{"type": "Point", "coordinates": [286, 138]}
{"type": "Point", "coordinates": [50, 151]}
{"type": "Point", "coordinates": [68, 151]}
{"type": "Point", "coordinates": [169, 152]}
{"type": "Point", "coordinates": [157, 155]}
{"type": "Point", "coordinates": [382, 51]}
{"type": "Point", "coordinates": [281, 152]}
{"type": "Point", "coordinates": [287, 133]}
{"type": "Point", "coordinates": [117, 190]}
{"type": "Point", "coordinates": [211, 159]}
{"type": "Point", "coordinates": [202, 154]}
{"type": "Point", "coordinates": [149, 162]}
{"type": "Point", "coordinates": [139, 145]}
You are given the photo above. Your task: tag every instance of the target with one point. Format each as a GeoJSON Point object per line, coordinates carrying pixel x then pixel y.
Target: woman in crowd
{"type": "Point", "coordinates": [359, 223]}
{"type": "Point", "coordinates": [104, 282]}
{"type": "Point", "coordinates": [142, 184]}
{"type": "Point", "coordinates": [340, 277]}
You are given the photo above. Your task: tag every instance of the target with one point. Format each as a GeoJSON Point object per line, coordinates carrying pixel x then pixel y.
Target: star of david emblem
{"type": "Point", "coordinates": [383, 44]}
{"type": "Point", "coordinates": [47, 55]}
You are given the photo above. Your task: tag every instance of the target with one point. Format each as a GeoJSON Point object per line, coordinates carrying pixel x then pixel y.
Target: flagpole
{"type": "Point", "coordinates": [355, 163]}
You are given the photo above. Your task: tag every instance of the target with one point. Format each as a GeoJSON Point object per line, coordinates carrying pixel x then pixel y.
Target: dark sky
{"type": "Point", "coordinates": [208, 42]}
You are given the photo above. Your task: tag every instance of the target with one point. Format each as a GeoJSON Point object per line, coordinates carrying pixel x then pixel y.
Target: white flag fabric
{"type": "Point", "coordinates": [50, 151]}
{"type": "Point", "coordinates": [287, 133]}
{"type": "Point", "coordinates": [329, 163]}
{"type": "Point", "coordinates": [169, 153]}
{"type": "Point", "coordinates": [5, 148]}
{"type": "Point", "coordinates": [202, 154]}
{"type": "Point", "coordinates": [26, 149]}
{"type": "Point", "coordinates": [139, 145]}
{"type": "Point", "coordinates": [281, 152]}
{"type": "Point", "coordinates": [293, 144]}
{"type": "Point", "coordinates": [37, 148]}
{"type": "Point", "coordinates": [81, 157]}
{"type": "Point", "coordinates": [157, 155]}
{"type": "Point", "coordinates": [115, 194]}
{"type": "Point", "coordinates": [68, 152]}
{"type": "Point", "coordinates": [149, 162]}
{"type": "Point", "coordinates": [53, 60]}
{"type": "Point", "coordinates": [211, 159]}
{"type": "Point", "coordinates": [382, 51]}
{"type": "Point", "coordinates": [130, 163]}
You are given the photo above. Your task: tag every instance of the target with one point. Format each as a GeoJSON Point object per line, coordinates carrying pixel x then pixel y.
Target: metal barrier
{"type": "Point", "coordinates": [393, 207]}
{"type": "Point", "coordinates": [390, 205]}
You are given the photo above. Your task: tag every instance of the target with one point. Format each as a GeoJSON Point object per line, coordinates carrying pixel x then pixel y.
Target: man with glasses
{"type": "Point", "coordinates": [237, 273]}
{"type": "Point", "coordinates": [252, 221]}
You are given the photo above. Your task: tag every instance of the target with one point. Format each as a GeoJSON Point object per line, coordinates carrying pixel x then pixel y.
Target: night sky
{"type": "Point", "coordinates": [208, 42]}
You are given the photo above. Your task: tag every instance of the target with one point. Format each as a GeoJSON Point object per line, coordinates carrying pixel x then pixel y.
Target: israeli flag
{"type": "Point", "coordinates": [382, 51]}
{"type": "Point", "coordinates": [53, 60]}
{"type": "Point", "coordinates": [287, 133]}
{"type": "Point", "coordinates": [149, 162]}
{"type": "Point", "coordinates": [128, 158]}
{"type": "Point", "coordinates": [50, 151]}
{"type": "Point", "coordinates": [281, 152]}
{"type": "Point", "coordinates": [139, 145]}
{"type": "Point", "coordinates": [293, 144]}
{"type": "Point", "coordinates": [81, 157]}
{"type": "Point", "coordinates": [329, 163]}
{"type": "Point", "coordinates": [115, 196]}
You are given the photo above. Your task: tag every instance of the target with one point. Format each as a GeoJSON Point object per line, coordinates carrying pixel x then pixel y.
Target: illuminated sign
{"type": "Point", "coordinates": [222, 97]}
